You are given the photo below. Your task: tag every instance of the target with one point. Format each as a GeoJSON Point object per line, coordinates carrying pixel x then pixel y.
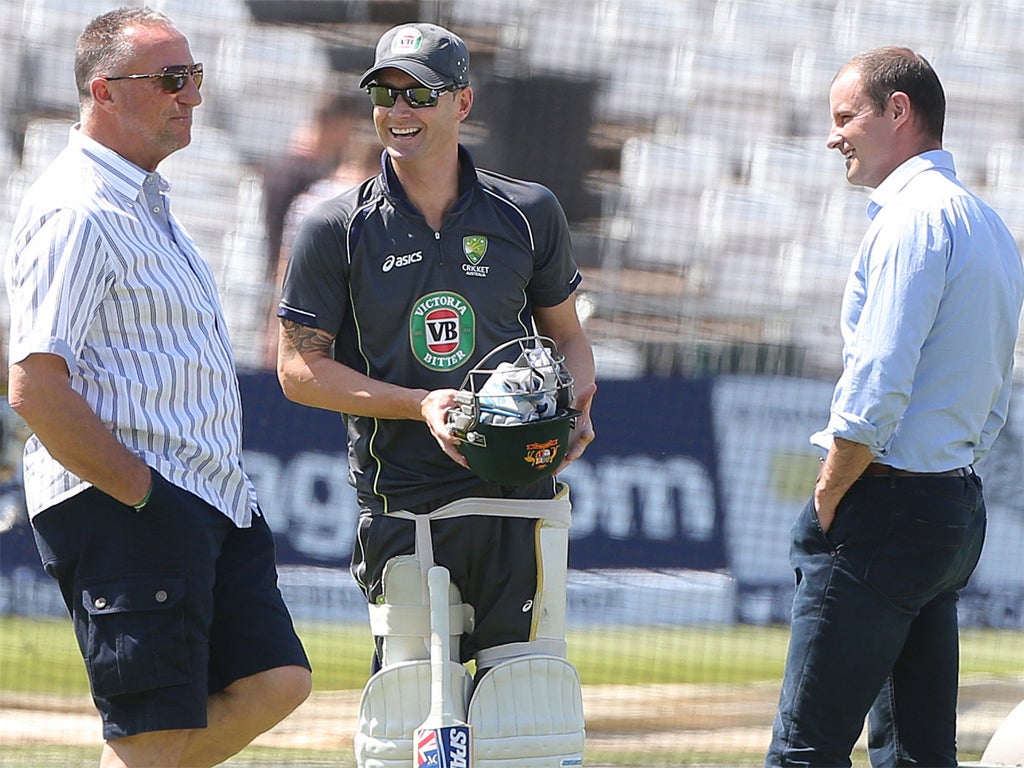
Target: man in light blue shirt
{"type": "Point", "coordinates": [897, 520]}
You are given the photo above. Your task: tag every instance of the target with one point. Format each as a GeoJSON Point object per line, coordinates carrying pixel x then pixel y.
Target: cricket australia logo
{"type": "Point", "coordinates": [540, 455]}
{"type": "Point", "coordinates": [474, 248]}
{"type": "Point", "coordinates": [442, 330]}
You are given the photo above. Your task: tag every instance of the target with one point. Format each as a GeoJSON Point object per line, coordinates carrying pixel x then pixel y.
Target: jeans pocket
{"type": "Point", "coordinates": [915, 560]}
{"type": "Point", "coordinates": [135, 640]}
{"type": "Point", "coordinates": [807, 535]}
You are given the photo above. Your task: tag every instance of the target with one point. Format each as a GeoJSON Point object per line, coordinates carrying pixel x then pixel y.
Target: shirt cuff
{"type": "Point", "coordinates": [49, 346]}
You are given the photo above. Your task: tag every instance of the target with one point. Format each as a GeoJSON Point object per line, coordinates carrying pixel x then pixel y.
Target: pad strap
{"type": "Point", "coordinates": [414, 620]}
{"type": "Point", "coordinates": [488, 657]}
{"type": "Point", "coordinates": [556, 512]}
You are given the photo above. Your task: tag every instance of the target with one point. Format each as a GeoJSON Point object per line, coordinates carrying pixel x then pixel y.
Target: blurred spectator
{"type": "Point", "coordinates": [361, 160]}
{"type": "Point", "coordinates": [314, 151]}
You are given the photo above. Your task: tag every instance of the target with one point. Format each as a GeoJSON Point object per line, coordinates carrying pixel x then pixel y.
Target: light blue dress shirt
{"type": "Point", "coordinates": [929, 323]}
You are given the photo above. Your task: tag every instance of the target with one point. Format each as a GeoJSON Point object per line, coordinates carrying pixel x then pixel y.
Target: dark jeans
{"type": "Point", "coordinates": [874, 625]}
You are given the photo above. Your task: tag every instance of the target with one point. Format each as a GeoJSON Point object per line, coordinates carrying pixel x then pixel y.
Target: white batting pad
{"type": "Point", "coordinates": [403, 619]}
{"type": "Point", "coordinates": [528, 713]}
{"type": "Point", "coordinates": [394, 703]}
{"type": "Point", "coordinates": [553, 541]}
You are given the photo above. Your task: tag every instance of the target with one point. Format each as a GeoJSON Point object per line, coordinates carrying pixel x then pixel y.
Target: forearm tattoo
{"type": "Point", "coordinates": [305, 340]}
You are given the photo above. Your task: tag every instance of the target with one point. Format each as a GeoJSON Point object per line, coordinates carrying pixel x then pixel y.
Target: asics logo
{"type": "Point", "coordinates": [393, 262]}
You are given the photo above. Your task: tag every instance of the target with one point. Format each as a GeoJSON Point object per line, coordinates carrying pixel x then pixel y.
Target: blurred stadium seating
{"type": "Point", "coordinates": [685, 137]}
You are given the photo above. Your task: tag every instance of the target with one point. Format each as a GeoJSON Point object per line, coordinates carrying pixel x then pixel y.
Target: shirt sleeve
{"type": "Point", "coordinates": [556, 275]}
{"type": "Point", "coordinates": [888, 312]}
{"type": "Point", "coordinates": [994, 423]}
{"type": "Point", "coordinates": [56, 278]}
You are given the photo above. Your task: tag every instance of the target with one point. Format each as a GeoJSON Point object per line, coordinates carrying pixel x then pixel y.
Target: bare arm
{"type": "Point", "coordinates": [70, 430]}
{"type": "Point", "coordinates": [310, 376]}
{"type": "Point", "coordinates": [846, 461]}
{"type": "Point", "coordinates": [562, 324]}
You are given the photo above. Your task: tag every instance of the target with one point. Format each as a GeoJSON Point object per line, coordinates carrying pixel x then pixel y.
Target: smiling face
{"type": "Point", "coordinates": [136, 118]}
{"type": "Point", "coordinates": [415, 137]}
{"type": "Point", "coordinates": [862, 134]}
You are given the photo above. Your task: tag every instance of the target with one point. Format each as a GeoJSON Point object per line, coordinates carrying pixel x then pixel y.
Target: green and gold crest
{"type": "Point", "coordinates": [474, 247]}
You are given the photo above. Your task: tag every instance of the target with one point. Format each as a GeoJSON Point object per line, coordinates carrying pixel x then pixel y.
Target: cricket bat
{"type": "Point", "coordinates": [441, 741]}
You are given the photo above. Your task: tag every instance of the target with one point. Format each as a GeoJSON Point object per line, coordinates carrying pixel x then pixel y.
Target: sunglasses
{"type": "Point", "coordinates": [417, 98]}
{"type": "Point", "coordinates": [172, 79]}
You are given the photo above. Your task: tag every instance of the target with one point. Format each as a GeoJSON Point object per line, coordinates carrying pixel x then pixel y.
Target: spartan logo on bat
{"type": "Point", "coordinates": [428, 751]}
{"type": "Point", "coordinates": [446, 747]}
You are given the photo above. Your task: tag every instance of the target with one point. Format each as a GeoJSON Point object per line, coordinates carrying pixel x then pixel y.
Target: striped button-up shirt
{"type": "Point", "coordinates": [99, 272]}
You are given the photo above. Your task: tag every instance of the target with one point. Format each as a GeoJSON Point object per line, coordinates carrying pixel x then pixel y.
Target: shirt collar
{"type": "Point", "coordinates": [893, 184]}
{"type": "Point", "coordinates": [467, 179]}
{"type": "Point", "coordinates": [123, 175]}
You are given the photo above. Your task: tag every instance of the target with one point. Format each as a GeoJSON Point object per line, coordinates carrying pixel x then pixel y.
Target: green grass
{"type": "Point", "coordinates": [635, 655]}
{"type": "Point", "coordinates": [997, 652]}
{"type": "Point", "coordinates": [339, 653]}
{"type": "Point", "coordinates": [62, 756]}
{"type": "Point", "coordinates": [40, 655]}
{"type": "Point", "coordinates": [48, 756]}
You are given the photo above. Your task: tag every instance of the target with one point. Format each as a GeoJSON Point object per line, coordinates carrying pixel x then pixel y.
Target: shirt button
{"type": "Point", "coordinates": [100, 602]}
{"type": "Point", "coordinates": [161, 596]}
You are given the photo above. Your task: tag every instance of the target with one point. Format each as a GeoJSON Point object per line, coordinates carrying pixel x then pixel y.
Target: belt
{"type": "Point", "coordinates": [883, 470]}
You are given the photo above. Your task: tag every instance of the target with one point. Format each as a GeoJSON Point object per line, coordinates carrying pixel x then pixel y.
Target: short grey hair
{"type": "Point", "coordinates": [104, 46]}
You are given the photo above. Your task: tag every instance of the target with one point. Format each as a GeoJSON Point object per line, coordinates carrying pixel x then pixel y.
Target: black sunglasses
{"type": "Point", "coordinates": [172, 79]}
{"type": "Point", "coordinates": [417, 98]}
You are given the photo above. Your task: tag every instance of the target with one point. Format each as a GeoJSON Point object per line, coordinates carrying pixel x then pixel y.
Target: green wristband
{"type": "Point", "coordinates": [145, 500]}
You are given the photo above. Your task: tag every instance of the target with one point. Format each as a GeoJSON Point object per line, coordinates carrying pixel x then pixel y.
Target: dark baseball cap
{"type": "Point", "coordinates": [433, 55]}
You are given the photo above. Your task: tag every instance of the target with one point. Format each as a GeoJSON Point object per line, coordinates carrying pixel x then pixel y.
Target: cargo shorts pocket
{"type": "Point", "coordinates": [135, 635]}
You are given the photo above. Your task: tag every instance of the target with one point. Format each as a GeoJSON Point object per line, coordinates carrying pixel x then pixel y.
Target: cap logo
{"type": "Point", "coordinates": [407, 41]}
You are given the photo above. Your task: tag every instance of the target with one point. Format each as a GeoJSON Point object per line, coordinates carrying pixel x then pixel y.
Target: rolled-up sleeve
{"type": "Point", "coordinates": [888, 314]}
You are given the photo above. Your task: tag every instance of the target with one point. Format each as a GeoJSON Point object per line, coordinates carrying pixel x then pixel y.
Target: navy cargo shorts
{"type": "Point", "coordinates": [169, 604]}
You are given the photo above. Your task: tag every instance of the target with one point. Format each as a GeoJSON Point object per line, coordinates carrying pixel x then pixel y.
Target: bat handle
{"type": "Point", "coordinates": [438, 580]}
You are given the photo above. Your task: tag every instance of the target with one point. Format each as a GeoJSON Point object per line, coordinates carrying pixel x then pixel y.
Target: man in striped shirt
{"type": "Point", "coordinates": [122, 367]}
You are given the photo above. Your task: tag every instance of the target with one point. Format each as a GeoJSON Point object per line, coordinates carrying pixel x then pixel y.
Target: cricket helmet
{"type": "Point", "coordinates": [514, 412]}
